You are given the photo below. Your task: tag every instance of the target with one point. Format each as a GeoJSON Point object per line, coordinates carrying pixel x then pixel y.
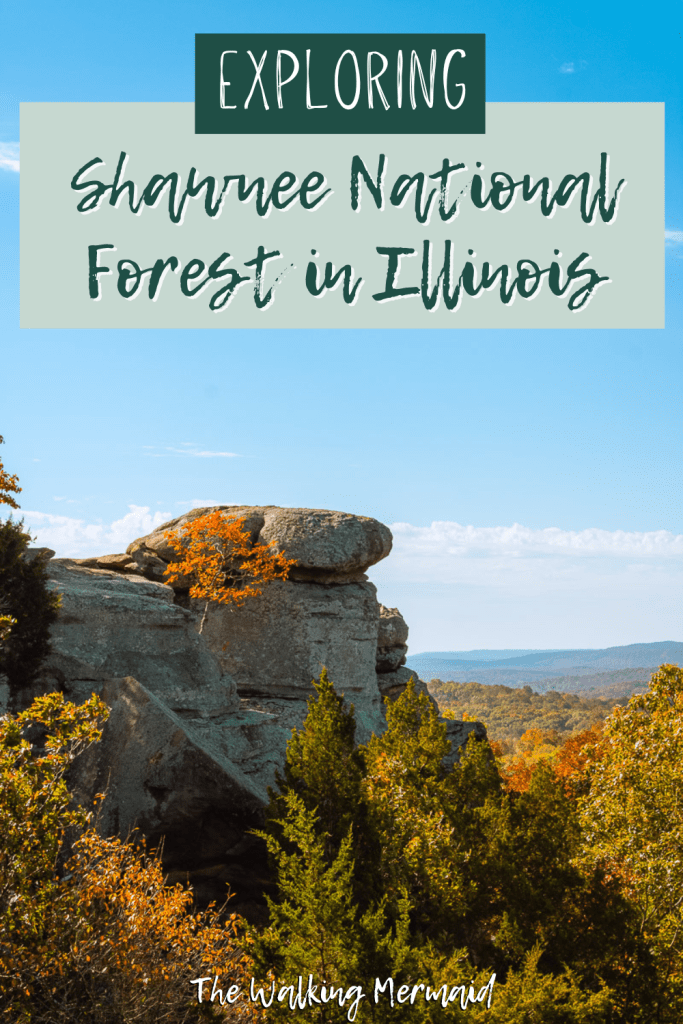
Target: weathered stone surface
{"type": "Point", "coordinates": [162, 776]}
{"type": "Point", "coordinates": [334, 542]}
{"type": "Point", "coordinates": [392, 637]}
{"type": "Point", "coordinates": [111, 625]}
{"type": "Point", "coordinates": [278, 642]}
{"type": "Point", "coordinates": [393, 628]}
{"type": "Point", "coordinates": [149, 565]}
{"type": "Point", "coordinates": [32, 553]}
{"type": "Point", "coordinates": [254, 737]}
{"type": "Point", "coordinates": [118, 563]}
{"type": "Point", "coordinates": [326, 544]}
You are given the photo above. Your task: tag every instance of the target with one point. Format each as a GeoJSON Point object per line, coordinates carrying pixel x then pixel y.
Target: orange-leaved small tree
{"type": "Point", "coordinates": [218, 555]}
{"type": "Point", "coordinates": [9, 482]}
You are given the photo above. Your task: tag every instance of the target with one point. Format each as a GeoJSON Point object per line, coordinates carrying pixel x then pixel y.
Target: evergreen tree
{"type": "Point", "coordinates": [323, 766]}
{"type": "Point", "coordinates": [25, 598]}
{"type": "Point", "coordinates": [416, 847]}
{"type": "Point", "coordinates": [324, 921]}
{"type": "Point", "coordinates": [390, 865]}
{"type": "Point", "coordinates": [314, 927]}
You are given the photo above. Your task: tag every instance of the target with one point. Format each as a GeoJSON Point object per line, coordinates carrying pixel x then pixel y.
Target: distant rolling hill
{"type": "Point", "coordinates": [579, 670]}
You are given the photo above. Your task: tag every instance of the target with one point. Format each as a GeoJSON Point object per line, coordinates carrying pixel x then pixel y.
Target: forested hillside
{"type": "Point", "coordinates": [508, 712]}
{"type": "Point", "coordinates": [618, 685]}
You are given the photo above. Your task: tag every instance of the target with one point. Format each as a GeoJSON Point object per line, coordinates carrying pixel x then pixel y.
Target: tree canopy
{"type": "Point", "coordinates": [434, 877]}
{"type": "Point", "coordinates": [509, 712]}
{"type": "Point", "coordinates": [632, 819]}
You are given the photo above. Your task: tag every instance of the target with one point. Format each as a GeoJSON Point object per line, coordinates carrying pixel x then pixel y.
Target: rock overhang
{"type": "Point", "coordinates": [327, 545]}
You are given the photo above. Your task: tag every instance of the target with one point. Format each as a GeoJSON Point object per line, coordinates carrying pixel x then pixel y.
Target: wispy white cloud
{"type": "Point", "coordinates": [448, 541]}
{"type": "Point", "coordinates": [204, 454]}
{"type": "Point", "coordinates": [202, 503]}
{"type": "Point", "coordinates": [673, 237]}
{"type": "Point", "coordinates": [189, 449]}
{"type": "Point", "coordinates": [567, 68]}
{"type": "Point", "coordinates": [76, 538]}
{"type": "Point", "coordinates": [463, 587]}
{"type": "Point", "coordinates": [9, 156]}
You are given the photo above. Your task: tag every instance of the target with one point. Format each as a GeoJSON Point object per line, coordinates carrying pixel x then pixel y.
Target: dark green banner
{"type": "Point", "coordinates": [262, 84]}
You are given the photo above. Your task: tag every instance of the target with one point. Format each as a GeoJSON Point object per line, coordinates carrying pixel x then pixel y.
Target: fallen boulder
{"type": "Point", "coordinates": [161, 776]}
{"type": "Point", "coordinates": [458, 734]}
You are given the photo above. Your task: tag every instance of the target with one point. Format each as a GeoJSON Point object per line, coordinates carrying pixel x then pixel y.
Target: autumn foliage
{"type": "Point", "coordinates": [223, 564]}
{"type": "Point", "coordinates": [511, 711]}
{"type": "Point", "coordinates": [566, 886]}
{"type": "Point", "coordinates": [9, 485]}
{"type": "Point", "coordinates": [569, 761]}
{"type": "Point", "coordinates": [96, 936]}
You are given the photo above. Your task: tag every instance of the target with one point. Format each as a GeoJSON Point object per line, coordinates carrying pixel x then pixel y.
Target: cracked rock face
{"type": "Point", "coordinates": [278, 642]}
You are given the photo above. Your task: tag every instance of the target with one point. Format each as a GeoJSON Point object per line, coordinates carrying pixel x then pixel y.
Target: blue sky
{"type": "Point", "coordinates": [457, 435]}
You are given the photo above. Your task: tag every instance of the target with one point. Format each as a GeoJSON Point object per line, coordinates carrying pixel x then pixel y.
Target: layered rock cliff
{"type": "Point", "coordinates": [199, 724]}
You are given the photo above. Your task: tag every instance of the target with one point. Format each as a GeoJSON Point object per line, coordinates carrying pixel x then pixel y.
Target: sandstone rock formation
{"type": "Point", "coordinates": [199, 724]}
{"type": "Point", "coordinates": [325, 614]}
